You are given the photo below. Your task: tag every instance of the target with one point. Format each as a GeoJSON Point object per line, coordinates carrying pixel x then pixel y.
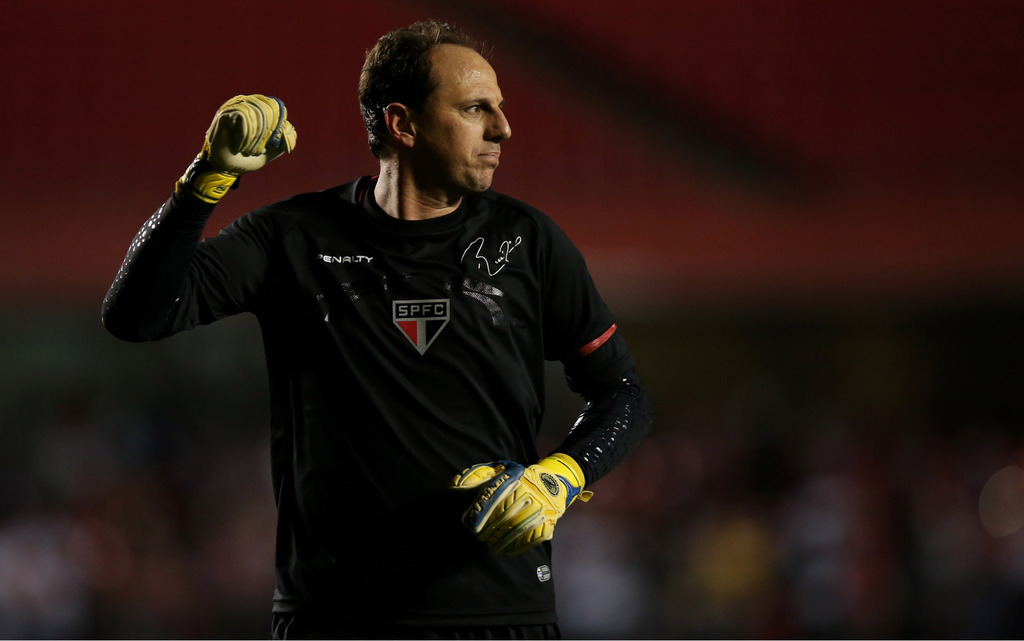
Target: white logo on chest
{"type": "Point", "coordinates": [344, 259]}
{"type": "Point", "coordinates": [475, 251]}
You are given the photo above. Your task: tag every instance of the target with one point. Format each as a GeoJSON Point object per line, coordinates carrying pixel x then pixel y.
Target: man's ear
{"type": "Point", "coordinates": [399, 121]}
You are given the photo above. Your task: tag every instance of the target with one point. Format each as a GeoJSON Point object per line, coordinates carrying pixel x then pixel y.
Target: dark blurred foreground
{"type": "Point", "coordinates": [811, 475]}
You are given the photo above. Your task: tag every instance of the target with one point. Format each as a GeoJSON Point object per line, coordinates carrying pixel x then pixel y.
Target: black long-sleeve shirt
{"type": "Point", "coordinates": [398, 353]}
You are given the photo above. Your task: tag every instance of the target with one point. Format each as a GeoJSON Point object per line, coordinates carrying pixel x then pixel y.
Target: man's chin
{"type": "Point", "coordinates": [474, 183]}
{"type": "Point", "coordinates": [482, 183]}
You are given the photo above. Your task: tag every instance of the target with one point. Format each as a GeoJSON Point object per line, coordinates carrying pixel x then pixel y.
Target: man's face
{"type": "Point", "coordinates": [460, 129]}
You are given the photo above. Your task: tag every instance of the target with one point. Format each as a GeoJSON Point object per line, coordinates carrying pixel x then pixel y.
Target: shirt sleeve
{"type": "Point", "coordinates": [172, 279]}
{"type": "Point", "coordinates": [583, 334]}
{"type": "Point", "coordinates": [615, 419]}
{"type": "Point", "coordinates": [575, 315]}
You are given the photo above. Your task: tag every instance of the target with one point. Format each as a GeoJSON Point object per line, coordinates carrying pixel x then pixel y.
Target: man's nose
{"type": "Point", "coordinates": [500, 129]}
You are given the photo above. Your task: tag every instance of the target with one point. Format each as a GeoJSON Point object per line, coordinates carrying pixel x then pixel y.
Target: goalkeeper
{"type": "Point", "coordinates": [407, 317]}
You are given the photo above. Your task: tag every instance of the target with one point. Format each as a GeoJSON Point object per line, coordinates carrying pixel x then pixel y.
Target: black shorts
{"type": "Point", "coordinates": [296, 626]}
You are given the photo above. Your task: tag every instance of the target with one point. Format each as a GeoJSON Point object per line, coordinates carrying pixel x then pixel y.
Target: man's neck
{"type": "Point", "coordinates": [401, 197]}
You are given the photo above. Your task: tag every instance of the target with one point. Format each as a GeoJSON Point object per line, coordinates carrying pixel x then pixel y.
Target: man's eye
{"type": "Point", "coordinates": [474, 109]}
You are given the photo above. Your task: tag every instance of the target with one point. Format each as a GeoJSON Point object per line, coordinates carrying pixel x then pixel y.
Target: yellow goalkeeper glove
{"type": "Point", "coordinates": [246, 133]}
{"type": "Point", "coordinates": [516, 507]}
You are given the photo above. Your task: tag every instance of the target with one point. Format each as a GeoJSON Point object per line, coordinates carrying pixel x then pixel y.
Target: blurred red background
{"type": "Point", "coordinates": [704, 149]}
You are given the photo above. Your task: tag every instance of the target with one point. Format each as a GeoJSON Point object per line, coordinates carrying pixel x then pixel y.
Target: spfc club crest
{"type": "Point", "coordinates": [421, 320]}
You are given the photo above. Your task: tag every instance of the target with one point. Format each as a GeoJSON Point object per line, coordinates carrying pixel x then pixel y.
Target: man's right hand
{"type": "Point", "coordinates": [246, 133]}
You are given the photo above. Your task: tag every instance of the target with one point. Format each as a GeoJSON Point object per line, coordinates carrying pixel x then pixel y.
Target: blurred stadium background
{"type": "Point", "coordinates": [806, 214]}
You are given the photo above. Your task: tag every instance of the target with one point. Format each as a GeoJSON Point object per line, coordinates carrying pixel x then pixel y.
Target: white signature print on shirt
{"type": "Point", "coordinates": [500, 262]}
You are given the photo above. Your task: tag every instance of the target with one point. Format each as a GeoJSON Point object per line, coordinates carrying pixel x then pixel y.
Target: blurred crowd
{"type": "Point", "coordinates": [135, 529]}
{"type": "Point", "coordinates": [845, 532]}
{"type": "Point", "coordinates": [752, 514]}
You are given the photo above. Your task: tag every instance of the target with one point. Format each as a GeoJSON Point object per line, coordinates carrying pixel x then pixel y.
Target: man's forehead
{"type": "Point", "coordinates": [455, 67]}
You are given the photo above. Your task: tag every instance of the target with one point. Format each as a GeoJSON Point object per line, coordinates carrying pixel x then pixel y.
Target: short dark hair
{"type": "Point", "coordinates": [397, 69]}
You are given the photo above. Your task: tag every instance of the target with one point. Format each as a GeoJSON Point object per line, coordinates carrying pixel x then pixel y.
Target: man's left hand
{"type": "Point", "coordinates": [516, 507]}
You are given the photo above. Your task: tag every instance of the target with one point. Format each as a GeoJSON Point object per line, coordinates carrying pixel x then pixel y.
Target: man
{"type": "Point", "coordinates": [406, 321]}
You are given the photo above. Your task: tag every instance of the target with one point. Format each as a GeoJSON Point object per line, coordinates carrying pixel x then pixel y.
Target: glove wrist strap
{"type": "Point", "coordinates": [206, 182]}
{"type": "Point", "coordinates": [569, 472]}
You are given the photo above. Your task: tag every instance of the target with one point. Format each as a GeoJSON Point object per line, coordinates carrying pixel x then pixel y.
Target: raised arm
{"type": "Point", "coordinates": [246, 133]}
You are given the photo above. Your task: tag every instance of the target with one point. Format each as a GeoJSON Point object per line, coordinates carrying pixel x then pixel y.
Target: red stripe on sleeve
{"type": "Point", "coordinates": [597, 342]}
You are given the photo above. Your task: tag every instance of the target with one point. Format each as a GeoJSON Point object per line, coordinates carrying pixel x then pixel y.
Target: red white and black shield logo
{"type": "Point", "coordinates": [421, 320]}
